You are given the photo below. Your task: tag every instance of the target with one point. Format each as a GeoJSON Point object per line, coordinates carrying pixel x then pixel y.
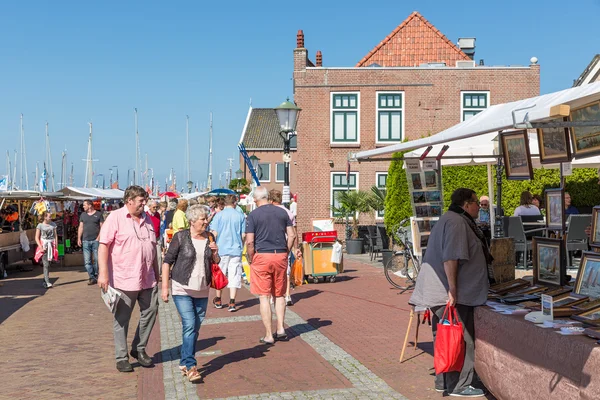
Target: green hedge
{"type": "Point", "coordinates": [582, 185]}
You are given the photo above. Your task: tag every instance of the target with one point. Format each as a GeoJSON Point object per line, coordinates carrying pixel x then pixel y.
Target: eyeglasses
{"type": "Point", "coordinates": [483, 204]}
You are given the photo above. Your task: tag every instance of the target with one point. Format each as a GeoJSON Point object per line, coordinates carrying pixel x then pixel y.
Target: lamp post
{"type": "Point", "coordinates": [238, 175]}
{"type": "Point", "coordinates": [189, 186]}
{"type": "Point", "coordinates": [287, 113]}
{"type": "Point", "coordinates": [103, 182]}
{"type": "Point", "coordinates": [254, 164]}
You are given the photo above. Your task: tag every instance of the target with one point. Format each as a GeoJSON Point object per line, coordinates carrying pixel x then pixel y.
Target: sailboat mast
{"type": "Point", "coordinates": [187, 147]}
{"type": "Point", "coordinates": [210, 151]}
{"type": "Point", "coordinates": [49, 159]}
{"type": "Point", "coordinates": [137, 150]}
{"type": "Point", "coordinates": [89, 174]}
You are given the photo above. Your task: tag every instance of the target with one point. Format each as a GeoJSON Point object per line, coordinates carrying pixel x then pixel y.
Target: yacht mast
{"type": "Point", "coordinates": [49, 159]}
{"type": "Point", "coordinates": [187, 147]}
{"type": "Point", "coordinates": [137, 150]}
{"type": "Point", "coordinates": [210, 151]}
{"type": "Point", "coordinates": [89, 174]}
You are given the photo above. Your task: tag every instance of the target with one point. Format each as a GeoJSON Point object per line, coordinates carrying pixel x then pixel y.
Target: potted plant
{"type": "Point", "coordinates": [351, 204]}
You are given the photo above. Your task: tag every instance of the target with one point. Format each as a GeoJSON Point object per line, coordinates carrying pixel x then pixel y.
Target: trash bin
{"type": "Point", "coordinates": [316, 254]}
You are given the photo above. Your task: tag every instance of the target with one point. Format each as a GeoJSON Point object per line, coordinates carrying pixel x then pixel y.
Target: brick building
{"type": "Point", "coordinates": [414, 83]}
{"type": "Point", "coordinates": [261, 138]}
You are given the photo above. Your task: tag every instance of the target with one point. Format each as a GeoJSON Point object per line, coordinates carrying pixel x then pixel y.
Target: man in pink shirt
{"type": "Point", "coordinates": [127, 262]}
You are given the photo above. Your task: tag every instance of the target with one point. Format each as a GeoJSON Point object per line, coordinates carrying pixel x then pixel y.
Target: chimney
{"type": "Point", "coordinates": [300, 39]}
{"type": "Point", "coordinates": [319, 58]}
{"type": "Point", "coordinates": [467, 45]}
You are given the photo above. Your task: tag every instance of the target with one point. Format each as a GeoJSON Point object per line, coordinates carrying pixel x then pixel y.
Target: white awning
{"type": "Point", "coordinates": [92, 192]}
{"type": "Point", "coordinates": [496, 118]}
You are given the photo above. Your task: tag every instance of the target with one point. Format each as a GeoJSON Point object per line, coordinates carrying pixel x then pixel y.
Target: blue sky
{"type": "Point", "coordinates": [71, 62]}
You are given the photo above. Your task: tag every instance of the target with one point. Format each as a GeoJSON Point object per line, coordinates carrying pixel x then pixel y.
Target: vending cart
{"type": "Point", "coordinates": [317, 248]}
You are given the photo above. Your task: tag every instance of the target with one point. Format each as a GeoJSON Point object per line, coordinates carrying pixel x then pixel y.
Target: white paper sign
{"type": "Point", "coordinates": [547, 307]}
{"type": "Point", "coordinates": [429, 164]}
{"type": "Point", "coordinates": [567, 168]}
{"type": "Point", "coordinates": [413, 165]}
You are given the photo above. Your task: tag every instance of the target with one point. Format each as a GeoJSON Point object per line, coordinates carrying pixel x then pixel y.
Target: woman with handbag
{"type": "Point", "coordinates": [188, 264]}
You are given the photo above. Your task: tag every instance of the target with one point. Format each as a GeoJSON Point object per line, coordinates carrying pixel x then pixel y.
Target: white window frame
{"type": "Point", "coordinates": [377, 109]}
{"type": "Point", "coordinates": [377, 175]}
{"type": "Point", "coordinates": [462, 101]}
{"type": "Point", "coordinates": [331, 110]}
{"type": "Point", "coordinates": [331, 189]}
{"type": "Point", "coordinates": [268, 175]}
{"type": "Point", "coordinates": [282, 166]}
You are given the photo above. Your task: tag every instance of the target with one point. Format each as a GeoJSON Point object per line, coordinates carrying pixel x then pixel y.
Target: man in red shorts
{"type": "Point", "coordinates": [267, 250]}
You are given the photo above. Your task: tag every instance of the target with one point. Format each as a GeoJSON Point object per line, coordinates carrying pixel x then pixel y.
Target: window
{"type": "Point", "coordinates": [294, 142]}
{"type": "Point", "coordinates": [473, 103]}
{"type": "Point", "coordinates": [339, 184]}
{"type": "Point", "coordinates": [279, 172]}
{"type": "Point", "coordinates": [344, 118]}
{"type": "Point", "coordinates": [264, 172]}
{"type": "Point", "coordinates": [390, 119]}
{"type": "Point", "coordinates": [380, 182]}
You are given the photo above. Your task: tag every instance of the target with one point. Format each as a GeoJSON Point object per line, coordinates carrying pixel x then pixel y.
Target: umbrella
{"type": "Point", "coordinates": [169, 194]}
{"type": "Point", "coordinates": [221, 192]}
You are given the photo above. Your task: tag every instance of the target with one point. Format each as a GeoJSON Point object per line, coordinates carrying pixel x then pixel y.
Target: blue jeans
{"type": "Point", "coordinates": [192, 311]}
{"type": "Point", "coordinates": [90, 247]}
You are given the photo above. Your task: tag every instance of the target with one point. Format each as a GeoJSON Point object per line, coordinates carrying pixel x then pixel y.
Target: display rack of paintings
{"type": "Point", "coordinates": [517, 158]}
{"type": "Point", "coordinates": [549, 261]}
{"type": "Point", "coordinates": [595, 233]}
{"type": "Point", "coordinates": [425, 188]}
{"type": "Point", "coordinates": [586, 139]}
{"type": "Point", "coordinates": [588, 276]}
{"type": "Point", "coordinates": [554, 144]}
{"type": "Point", "coordinates": [555, 208]}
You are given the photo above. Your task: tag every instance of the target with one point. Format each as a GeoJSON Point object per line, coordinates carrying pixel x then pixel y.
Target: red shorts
{"type": "Point", "coordinates": [268, 274]}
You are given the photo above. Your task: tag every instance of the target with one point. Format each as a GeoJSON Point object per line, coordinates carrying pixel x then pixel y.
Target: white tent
{"type": "Point", "coordinates": [496, 118]}
{"type": "Point", "coordinates": [92, 192]}
{"type": "Point", "coordinates": [188, 196]}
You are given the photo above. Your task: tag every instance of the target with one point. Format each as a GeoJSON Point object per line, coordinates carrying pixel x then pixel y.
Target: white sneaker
{"type": "Point", "coordinates": [48, 285]}
{"type": "Point", "coordinates": [288, 301]}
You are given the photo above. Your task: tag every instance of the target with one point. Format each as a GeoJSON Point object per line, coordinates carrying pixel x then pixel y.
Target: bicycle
{"type": "Point", "coordinates": [403, 266]}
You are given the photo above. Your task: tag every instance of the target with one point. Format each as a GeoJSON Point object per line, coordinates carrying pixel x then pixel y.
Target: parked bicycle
{"type": "Point", "coordinates": [402, 269]}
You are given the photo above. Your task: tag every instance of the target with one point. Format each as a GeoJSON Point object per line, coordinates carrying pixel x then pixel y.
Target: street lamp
{"type": "Point", "coordinates": [98, 176]}
{"type": "Point", "coordinates": [189, 186]}
{"type": "Point", "coordinates": [287, 114]}
{"type": "Point", "coordinates": [254, 164]}
{"type": "Point", "coordinates": [238, 175]}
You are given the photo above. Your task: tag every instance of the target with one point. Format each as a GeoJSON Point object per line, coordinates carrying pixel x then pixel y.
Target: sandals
{"type": "Point", "coordinates": [280, 337]}
{"type": "Point", "coordinates": [263, 341]}
{"type": "Point", "coordinates": [192, 374]}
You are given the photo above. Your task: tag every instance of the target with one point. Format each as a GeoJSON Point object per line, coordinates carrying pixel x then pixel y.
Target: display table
{"type": "Point", "coordinates": [517, 360]}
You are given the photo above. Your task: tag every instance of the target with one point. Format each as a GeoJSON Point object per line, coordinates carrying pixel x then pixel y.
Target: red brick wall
{"type": "Point", "coordinates": [425, 89]}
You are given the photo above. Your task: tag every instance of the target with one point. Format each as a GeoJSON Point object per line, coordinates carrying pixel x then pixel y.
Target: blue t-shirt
{"type": "Point", "coordinates": [229, 225]}
{"type": "Point", "coordinates": [269, 224]}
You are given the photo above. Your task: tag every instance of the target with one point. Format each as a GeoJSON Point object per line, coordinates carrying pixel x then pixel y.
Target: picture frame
{"type": "Point", "coordinates": [590, 317]}
{"type": "Point", "coordinates": [587, 305]}
{"type": "Point", "coordinates": [431, 179]}
{"type": "Point", "coordinates": [419, 197]}
{"type": "Point", "coordinates": [587, 282]}
{"type": "Point", "coordinates": [531, 290]}
{"type": "Point", "coordinates": [595, 234]}
{"type": "Point", "coordinates": [569, 300]}
{"type": "Point", "coordinates": [585, 139]}
{"type": "Point", "coordinates": [549, 261]}
{"type": "Point", "coordinates": [506, 287]}
{"type": "Point", "coordinates": [517, 157]}
{"type": "Point", "coordinates": [554, 144]}
{"type": "Point", "coordinates": [555, 208]}
{"type": "Point", "coordinates": [555, 292]}
{"type": "Point", "coordinates": [416, 181]}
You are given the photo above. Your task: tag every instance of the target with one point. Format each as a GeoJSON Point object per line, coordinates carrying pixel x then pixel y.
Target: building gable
{"type": "Point", "coordinates": [414, 42]}
{"type": "Point", "coordinates": [591, 72]}
{"type": "Point", "coordinates": [262, 130]}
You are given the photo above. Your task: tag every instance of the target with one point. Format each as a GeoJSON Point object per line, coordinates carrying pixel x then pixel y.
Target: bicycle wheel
{"type": "Point", "coordinates": [397, 270]}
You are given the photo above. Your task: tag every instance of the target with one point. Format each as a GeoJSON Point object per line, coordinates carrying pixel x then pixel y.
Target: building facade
{"type": "Point", "coordinates": [413, 84]}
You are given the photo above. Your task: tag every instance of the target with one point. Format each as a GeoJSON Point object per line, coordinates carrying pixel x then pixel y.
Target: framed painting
{"type": "Point", "coordinates": [555, 208]}
{"type": "Point", "coordinates": [595, 234]}
{"type": "Point", "coordinates": [588, 276]}
{"type": "Point", "coordinates": [506, 287]}
{"type": "Point", "coordinates": [591, 317]}
{"type": "Point", "coordinates": [517, 158]}
{"type": "Point", "coordinates": [569, 300]}
{"type": "Point", "coordinates": [549, 261]}
{"type": "Point", "coordinates": [586, 139]}
{"type": "Point", "coordinates": [554, 145]}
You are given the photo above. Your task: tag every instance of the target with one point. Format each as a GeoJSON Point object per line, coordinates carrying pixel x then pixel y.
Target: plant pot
{"type": "Point", "coordinates": [354, 246]}
{"type": "Point", "coordinates": [387, 255]}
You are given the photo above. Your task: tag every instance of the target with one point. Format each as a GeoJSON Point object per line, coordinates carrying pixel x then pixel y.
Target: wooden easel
{"type": "Point", "coordinates": [412, 314]}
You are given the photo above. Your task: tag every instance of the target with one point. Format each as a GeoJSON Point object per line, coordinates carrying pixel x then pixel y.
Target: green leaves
{"type": "Point", "coordinates": [351, 204]}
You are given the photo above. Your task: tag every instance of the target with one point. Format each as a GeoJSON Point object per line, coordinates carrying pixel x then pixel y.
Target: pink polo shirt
{"type": "Point", "coordinates": [131, 250]}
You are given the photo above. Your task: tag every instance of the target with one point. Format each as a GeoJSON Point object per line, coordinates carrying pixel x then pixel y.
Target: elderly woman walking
{"type": "Point", "coordinates": [188, 262]}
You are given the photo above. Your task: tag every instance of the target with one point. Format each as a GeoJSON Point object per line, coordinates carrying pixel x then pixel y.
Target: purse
{"type": "Point", "coordinates": [219, 280]}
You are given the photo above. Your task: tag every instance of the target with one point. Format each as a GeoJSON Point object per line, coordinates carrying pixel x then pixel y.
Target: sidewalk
{"type": "Point", "coordinates": [344, 342]}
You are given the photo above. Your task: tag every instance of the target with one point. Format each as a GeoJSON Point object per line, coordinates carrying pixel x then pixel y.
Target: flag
{"type": "Point", "coordinates": [43, 178]}
{"type": "Point", "coordinates": [4, 183]}
{"type": "Point", "coordinates": [115, 185]}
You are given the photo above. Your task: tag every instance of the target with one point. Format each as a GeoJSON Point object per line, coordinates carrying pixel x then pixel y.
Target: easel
{"type": "Point", "coordinates": [413, 311]}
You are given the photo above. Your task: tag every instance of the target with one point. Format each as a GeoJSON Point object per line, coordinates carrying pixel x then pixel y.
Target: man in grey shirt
{"type": "Point", "coordinates": [455, 272]}
{"type": "Point", "coordinates": [90, 222]}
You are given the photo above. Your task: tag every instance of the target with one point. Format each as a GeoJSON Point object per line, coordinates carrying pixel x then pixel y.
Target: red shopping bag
{"type": "Point", "coordinates": [449, 349]}
{"type": "Point", "coordinates": [219, 280]}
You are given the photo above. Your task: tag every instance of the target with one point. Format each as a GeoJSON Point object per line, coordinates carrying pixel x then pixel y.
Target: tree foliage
{"type": "Point", "coordinates": [397, 199]}
{"type": "Point", "coordinates": [353, 203]}
{"type": "Point", "coordinates": [243, 185]}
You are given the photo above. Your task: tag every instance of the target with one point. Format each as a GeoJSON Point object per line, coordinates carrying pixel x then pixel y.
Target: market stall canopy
{"type": "Point", "coordinates": [189, 196]}
{"type": "Point", "coordinates": [92, 192]}
{"type": "Point", "coordinates": [172, 195]}
{"type": "Point", "coordinates": [29, 194]}
{"type": "Point", "coordinates": [496, 118]}
{"type": "Point", "coordinates": [221, 192]}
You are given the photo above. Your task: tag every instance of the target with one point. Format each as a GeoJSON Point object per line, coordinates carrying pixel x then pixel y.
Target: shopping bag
{"type": "Point", "coordinates": [39, 253]}
{"type": "Point", "coordinates": [296, 274]}
{"type": "Point", "coordinates": [219, 280]}
{"type": "Point", "coordinates": [449, 349]}
{"type": "Point", "coordinates": [24, 241]}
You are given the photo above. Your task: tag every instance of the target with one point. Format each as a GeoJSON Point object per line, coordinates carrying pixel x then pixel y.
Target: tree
{"type": "Point", "coordinates": [397, 197]}
{"type": "Point", "coordinates": [243, 188]}
{"type": "Point", "coordinates": [352, 203]}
